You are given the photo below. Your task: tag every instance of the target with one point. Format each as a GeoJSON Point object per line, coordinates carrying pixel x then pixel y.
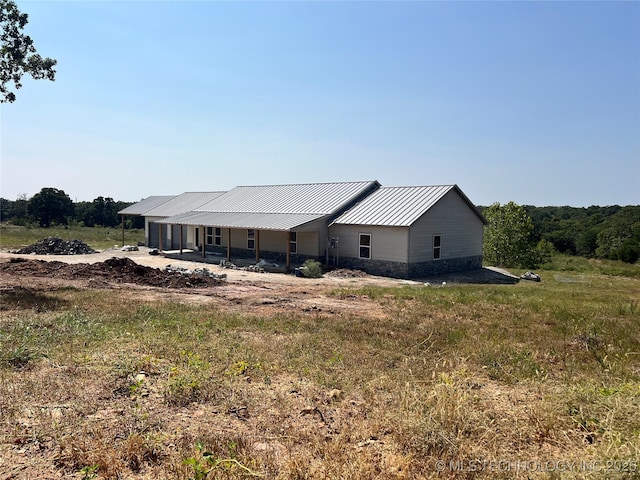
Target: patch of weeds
{"type": "Point", "coordinates": [188, 380]}
{"type": "Point", "coordinates": [77, 322]}
{"type": "Point", "coordinates": [606, 412]}
{"type": "Point", "coordinates": [19, 357]}
{"type": "Point", "coordinates": [630, 308]}
{"type": "Point", "coordinates": [512, 366]}
{"type": "Point", "coordinates": [205, 462]}
{"type": "Point", "coordinates": [89, 472]}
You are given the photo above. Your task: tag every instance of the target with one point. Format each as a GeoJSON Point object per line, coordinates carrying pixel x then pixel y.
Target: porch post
{"type": "Point", "coordinates": [288, 267]}
{"type": "Point", "coordinates": [204, 237]}
{"type": "Point", "coordinates": [257, 246]}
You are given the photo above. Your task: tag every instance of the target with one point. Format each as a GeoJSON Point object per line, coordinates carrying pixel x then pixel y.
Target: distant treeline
{"type": "Point", "coordinates": [54, 207]}
{"type": "Point", "coordinates": [601, 232]}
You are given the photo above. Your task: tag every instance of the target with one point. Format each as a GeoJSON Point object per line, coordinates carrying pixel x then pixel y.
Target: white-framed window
{"type": "Point", "coordinates": [251, 239]}
{"type": "Point", "coordinates": [293, 242]}
{"type": "Point", "coordinates": [197, 235]}
{"type": "Point", "coordinates": [437, 246]}
{"type": "Point", "coordinates": [217, 236]}
{"type": "Point", "coordinates": [365, 245]}
{"type": "Point", "coordinates": [209, 235]}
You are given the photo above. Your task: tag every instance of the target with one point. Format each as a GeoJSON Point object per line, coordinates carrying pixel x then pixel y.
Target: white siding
{"type": "Point", "coordinates": [459, 226]}
{"type": "Point", "coordinates": [387, 243]}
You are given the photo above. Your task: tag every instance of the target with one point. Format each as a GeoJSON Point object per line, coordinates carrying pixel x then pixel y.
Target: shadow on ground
{"type": "Point", "coordinates": [485, 275]}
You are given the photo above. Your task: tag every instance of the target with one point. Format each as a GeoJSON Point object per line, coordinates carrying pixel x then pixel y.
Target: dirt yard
{"type": "Point", "coordinates": [144, 275]}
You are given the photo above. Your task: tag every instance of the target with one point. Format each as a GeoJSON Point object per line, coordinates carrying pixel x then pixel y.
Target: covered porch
{"type": "Point", "coordinates": [281, 240]}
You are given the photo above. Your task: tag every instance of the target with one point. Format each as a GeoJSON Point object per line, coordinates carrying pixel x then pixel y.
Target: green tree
{"type": "Point", "coordinates": [620, 236]}
{"type": "Point", "coordinates": [17, 53]}
{"type": "Point", "coordinates": [50, 205]}
{"type": "Point", "coordinates": [508, 240]}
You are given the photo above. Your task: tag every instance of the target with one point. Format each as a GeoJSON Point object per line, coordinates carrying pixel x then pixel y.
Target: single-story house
{"type": "Point", "coordinates": [404, 232]}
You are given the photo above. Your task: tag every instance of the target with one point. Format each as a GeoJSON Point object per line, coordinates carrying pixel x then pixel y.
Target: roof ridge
{"type": "Point", "coordinates": [307, 183]}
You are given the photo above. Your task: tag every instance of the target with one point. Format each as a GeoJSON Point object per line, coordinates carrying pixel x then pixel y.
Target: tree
{"type": "Point", "coordinates": [50, 205]}
{"type": "Point", "coordinates": [18, 55]}
{"type": "Point", "coordinates": [508, 240]}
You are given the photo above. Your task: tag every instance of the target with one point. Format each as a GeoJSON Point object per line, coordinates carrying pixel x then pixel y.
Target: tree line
{"type": "Point", "coordinates": [51, 207]}
{"type": "Point", "coordinates": [517, 236]}
{"type": "Point", "coordinates": [526, 236]}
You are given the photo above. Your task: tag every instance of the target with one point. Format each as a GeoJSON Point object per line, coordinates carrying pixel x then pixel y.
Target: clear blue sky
{"type": "Point", "coordinates": [538, 102]}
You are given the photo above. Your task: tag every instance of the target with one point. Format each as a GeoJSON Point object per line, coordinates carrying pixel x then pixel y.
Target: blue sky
{"type": "Point", "coordinates": [537, 102]}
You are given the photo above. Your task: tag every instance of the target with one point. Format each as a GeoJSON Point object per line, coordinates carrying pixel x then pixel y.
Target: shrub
{"type": "Point", "coordinates": [312, 269]}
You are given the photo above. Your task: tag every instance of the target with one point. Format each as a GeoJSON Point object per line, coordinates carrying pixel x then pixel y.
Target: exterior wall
{"type": "Point", "coordinates": [151, 233]}
{"type": "Point", "coordinates": [459, 227]}
{"type": "Point", "coordinates": [175, 236]}
{"type": "Point", "coordinates": [408, 252]}
{"type": "Point", "coordinates": [388, 250]}
{"type": "Point", "coordinates": [272, 244]}
{"type": "Point", "coordinates": [439, 267]}
{"type": "Point", "coordinates": [387, 243]}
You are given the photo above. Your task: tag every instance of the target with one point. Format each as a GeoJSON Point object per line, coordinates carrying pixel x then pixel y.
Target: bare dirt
{"type": "Point", "coordinates": [143, 275]}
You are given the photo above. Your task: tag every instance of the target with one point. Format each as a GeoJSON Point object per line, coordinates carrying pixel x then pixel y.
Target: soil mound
{"type": "Point", "coordinates": [57, 246]}
{"type": "Point", "coordinates": [113, 270]}
{"type": "Point", "coordinates": [347, 273]}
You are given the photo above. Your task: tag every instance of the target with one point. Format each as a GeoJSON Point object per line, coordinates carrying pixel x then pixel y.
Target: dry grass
{"type": "Point", "coordinates": [94, 384]}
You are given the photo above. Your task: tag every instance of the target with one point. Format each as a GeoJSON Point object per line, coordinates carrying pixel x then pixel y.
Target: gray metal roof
{"type": "Point", "coordinates": [312, 198]}
{"type": "Point", "coordinates": [185, 202]}
{"type": "Point", "coordinates": [398, 206]}
{"type": "Point", "coordinates": [259, 221]}
{"type": "Point", "coordinates": [146, 204]}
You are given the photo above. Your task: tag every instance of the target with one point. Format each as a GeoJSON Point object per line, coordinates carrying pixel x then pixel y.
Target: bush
{"type": "Point", "coordinates": [312, 269]}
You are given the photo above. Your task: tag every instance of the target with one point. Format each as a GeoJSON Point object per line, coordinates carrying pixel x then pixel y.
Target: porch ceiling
{"type": "Point", "coordinates": [258, 221]}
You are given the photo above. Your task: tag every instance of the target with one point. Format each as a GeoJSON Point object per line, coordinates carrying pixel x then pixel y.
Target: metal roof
{"type": "Point", "coordinates": [398, 206]}
{"type": "Point", "coordinates": [146, 204]}
{"type": "Point", "coordinates": [260, 221]}
{"type": "Point", "coordinates": [185, 202]}
{"type": "Point", "coordinates": [311, 198]}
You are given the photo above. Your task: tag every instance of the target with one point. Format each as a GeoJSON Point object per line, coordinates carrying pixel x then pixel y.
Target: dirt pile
{"type": "Point", "coordinates": [347, 273]}
{"type": "Point", "coordinates": [57, 246]}
{"type": "Point", "coordinates": [113, 270]}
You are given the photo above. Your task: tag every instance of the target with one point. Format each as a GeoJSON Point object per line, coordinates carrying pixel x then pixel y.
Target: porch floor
{"type": "Point", "coordinates": [215, 259]}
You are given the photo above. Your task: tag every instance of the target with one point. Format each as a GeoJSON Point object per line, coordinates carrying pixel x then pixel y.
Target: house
{"type": "Point", "coordinates": [156, 208]}
{"type": "Point", "coordinates": [404, 232]}
{"type": "Point", "coordinates": [410, 232]}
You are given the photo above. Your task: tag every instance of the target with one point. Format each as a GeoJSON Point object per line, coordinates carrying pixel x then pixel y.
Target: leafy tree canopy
{"type": "Point", "coordinates": [50, 205]}
{"type": "Point", "coordinates": [18, 55]}
{"type": "Point", "coordinates": [508, 240]}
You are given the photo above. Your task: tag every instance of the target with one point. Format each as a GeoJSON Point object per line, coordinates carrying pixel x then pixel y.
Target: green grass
{"type": "Point", "coordinates": [576, 264]}
{"type": "Point", "coordinates": [13, 237]}
{"type": "Point", "coordinates": [543, 372]}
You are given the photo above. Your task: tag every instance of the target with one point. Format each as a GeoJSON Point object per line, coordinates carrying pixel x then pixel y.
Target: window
{"type": "Point", "coordinates": [217, 236]}
{"type": "Point", "coordinates": [293, 242]}
{"type": "Point", "coordinates": [251, 239]}
{"type": "Point", "coordinates": [365, 245]}
{"type": "Point", "coordinates": [437, 241]}
{"type": "Point", "coordinates": [209, 235]}
{"type": "Point", "coordinates": [197, 235]}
